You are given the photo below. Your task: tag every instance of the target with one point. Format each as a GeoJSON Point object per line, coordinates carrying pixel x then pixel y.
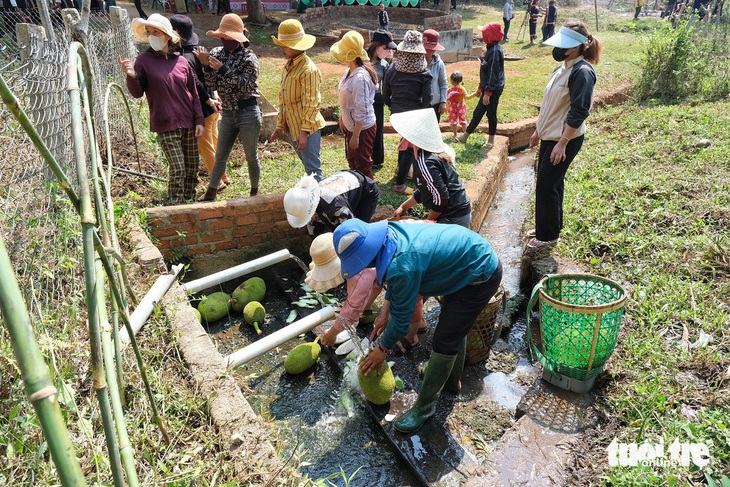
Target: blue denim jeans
{"type": "Point", "coordinates": [244, 124]}
{"type": "Point", "coordinates": [310, 154]}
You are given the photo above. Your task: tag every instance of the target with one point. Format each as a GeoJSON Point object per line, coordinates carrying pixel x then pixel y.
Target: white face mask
{"type": "Point", "coordinates": [384, 52]}
{"type": "Point", "coordinates": [157, 43]}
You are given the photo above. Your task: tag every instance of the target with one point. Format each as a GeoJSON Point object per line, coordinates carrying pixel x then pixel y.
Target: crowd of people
{"type": "Point", "coordinates": [188, 88]}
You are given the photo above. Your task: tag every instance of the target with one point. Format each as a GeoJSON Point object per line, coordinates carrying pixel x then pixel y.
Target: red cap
{"type": "Point", "coordinates": [431, 40]}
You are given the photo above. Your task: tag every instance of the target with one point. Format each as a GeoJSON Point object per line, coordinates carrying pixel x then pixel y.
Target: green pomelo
{"type": "Point", "coordinates": [302, 357]}
{"type": "Point", "coordinates": [377, 387]}
{"type": "Point", "coordinates": [253, 289]}
{"type": "Point", "coordinates": [214, 306]}
{"type": "Point", "coordinates": [368, 318]}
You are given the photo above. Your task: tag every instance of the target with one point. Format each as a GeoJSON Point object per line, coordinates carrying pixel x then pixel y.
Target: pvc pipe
{"type": "Point", "coordinates": [272, 341]}
{"type": "Point", "coordinates": [144, 310]}
{"type": "Point", "coordinates": [237, 271]}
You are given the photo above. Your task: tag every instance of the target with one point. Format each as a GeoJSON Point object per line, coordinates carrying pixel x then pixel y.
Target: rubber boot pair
{"type": "Point", "coordinates": [435, 377]}
{"type": "Point", "coordinates": [453, 383]}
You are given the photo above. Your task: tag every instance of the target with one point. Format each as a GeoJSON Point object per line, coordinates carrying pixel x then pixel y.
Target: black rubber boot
{"type": "Point", "coordinates": [437, 373]}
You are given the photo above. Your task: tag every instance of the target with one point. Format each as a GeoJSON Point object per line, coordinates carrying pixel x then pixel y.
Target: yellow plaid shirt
{"type": "Point", "coordinates": [299, 97]}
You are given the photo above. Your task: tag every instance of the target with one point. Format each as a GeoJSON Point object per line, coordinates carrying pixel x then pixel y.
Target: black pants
{"type": "Point", "coordinates": [550, 189]}
{"type": "Point", "coordinates": [437, 111]}
{"type": "Point", "coordinates": [378, 145]}
{"type": "Point", "coordinates": [460, 310]}
{"type": "Point", "coordinates": [533, 31]}
{"type": "Point", "coordinates": [490, 110]}
{"type": "Point", "coordinates": [506, 27]}
{"type": "Point", "coordinates": [405, 161]}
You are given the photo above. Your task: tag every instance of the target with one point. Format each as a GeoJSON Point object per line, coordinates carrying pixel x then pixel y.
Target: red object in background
{"type": "Point", "coordinates": [244, 8]}
{"type": "Point", "coordinates": [170, 5]}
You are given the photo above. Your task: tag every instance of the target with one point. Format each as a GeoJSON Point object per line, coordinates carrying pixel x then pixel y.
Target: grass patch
{"type": "Point", "coordinates": [647, 206]}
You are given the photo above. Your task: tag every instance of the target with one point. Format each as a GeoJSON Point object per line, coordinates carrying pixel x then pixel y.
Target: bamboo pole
{"type": "Point", "coordinates": [88, 223]}
{"type": "Point", "coordinates": [36, 377]}
{"type": "Point", "coordinates": [125, 447]}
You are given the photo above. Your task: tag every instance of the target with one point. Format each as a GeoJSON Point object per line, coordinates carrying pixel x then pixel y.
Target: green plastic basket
{"type": "Point", "coordinates": [580, 318]}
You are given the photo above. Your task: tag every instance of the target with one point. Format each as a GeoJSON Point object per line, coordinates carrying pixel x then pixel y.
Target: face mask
{"type": "Point", "coordinates": [157, 43]}
{"type": "Point", "coordinates": [560, 54]}
{"type": "Point", "coordinates": [230, 45]}
{"type": "Point", "coordinates": [385, 53]}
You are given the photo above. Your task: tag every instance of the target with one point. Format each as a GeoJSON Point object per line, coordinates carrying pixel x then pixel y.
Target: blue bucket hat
{"type": "Point", "coordinates": [358, 243]}
{"type": "Point", "coordinates": [566, 38]}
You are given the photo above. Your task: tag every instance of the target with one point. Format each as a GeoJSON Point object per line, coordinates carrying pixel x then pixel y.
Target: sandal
{"type": "Point", "coordinates": [539, 244]}
{"type": "Point", "coordinates": [402, 347]}
{"type": "Point", "coordinates": [222, 185]}
{"type": "Point", "coordinates": [531, 233]}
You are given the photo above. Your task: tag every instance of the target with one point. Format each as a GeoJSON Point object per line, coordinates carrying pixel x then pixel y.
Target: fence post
{"type": "Point", "coordinates": [25, 34]}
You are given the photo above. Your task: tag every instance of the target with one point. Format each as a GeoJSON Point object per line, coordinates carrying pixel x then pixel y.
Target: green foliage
{"type": "Point", "coordinates": [686, 63]}
{"type": "Point", "coordinates": [647, 206]}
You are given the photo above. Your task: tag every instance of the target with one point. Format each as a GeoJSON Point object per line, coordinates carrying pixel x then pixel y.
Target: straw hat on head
{"type": "Point", "coordinates": [184, 26]}
{"type": "Point", "coordinates": [231, 27]}
{"type": "Point", "coordinates": [325, 273]}
{"type": "Point", "coordinates": [566, 38]}
{"type": "Point", "coordinates": [412, 42]}
{"type": "Point", "coordinates": [158, 22]}
{"type": "Point", "coordinates": [420, 128]}
{"type": "Point", "coordinates": [300, 202]}
{"type": "Point", "coordinates": [358, 243]}
{"type": "Point", "coordinates": [431, 40]}
{"type": "Point", "coordinates": [349, 48]}
{"type": "Point", "coordinates": [291, 34]}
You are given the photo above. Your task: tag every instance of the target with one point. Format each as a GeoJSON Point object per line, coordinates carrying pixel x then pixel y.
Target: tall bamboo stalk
{"type": "Point", "coordinates": [88, 223]}
{"type": "Point", "coordinates": [125, 447]}
{"type": "Point", "coordinates": [36, 376]}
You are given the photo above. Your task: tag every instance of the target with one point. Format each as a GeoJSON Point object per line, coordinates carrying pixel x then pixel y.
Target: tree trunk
{"type": "Point", "coordinates": [255, 12]}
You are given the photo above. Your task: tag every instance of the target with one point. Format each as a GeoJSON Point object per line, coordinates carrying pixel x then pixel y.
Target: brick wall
{"type": "Point", "coordinates": [396, 14]}
{"type": "Point", "coordinates": [239, 224]}
{"type": "Point", "coordinates": [443, 22]}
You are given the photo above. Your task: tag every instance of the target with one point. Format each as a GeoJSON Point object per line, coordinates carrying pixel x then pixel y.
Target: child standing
{"type": "Point", "coordinates": [491, 83]}
{"type": "Point", "coordinates": [383, 20]}
{"type": "Point", "coordinates": [456, 102]}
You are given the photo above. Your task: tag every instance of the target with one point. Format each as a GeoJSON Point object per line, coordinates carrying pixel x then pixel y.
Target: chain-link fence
{"type": "Point", "coordinates": [38, 225]}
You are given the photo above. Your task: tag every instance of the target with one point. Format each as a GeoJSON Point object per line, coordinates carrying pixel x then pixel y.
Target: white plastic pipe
{"type": "Point", "coordinates": [144, 310]}
{"type": "Point", "coordinates": [237, 271]}
{"type": "Point", "coordinates": [272, 341]}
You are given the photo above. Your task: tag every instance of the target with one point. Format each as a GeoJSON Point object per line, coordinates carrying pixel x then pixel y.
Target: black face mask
{"type": "Point", "coordinates": [560, 54]}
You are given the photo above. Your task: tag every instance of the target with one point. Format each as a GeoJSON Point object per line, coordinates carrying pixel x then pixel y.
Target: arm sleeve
{"type": "Point", "coordinates": [241, 76]}
{"type": "Point", "coordinates": [402, 293]}
{"type": "Point", "coordinates": [385, 87]}
{"type": "Point", "coordinates": [435, 184]}
{"type": "Point", "coordinates": [310, 81]}
{"type": "Point", "coordinates": [490, 75]}
{"type": "Point", "coordinates": [358, 293]}
{"type": "Point", "coordinates": [580, 84]}
{"type": "Point", "coordinates": [360, 91]}
{"type": "Point", "coordinates": [137, 86]}
{"type": "Point", "coordinates": [192, 86]}
{"type": "Point", "coordinates": [443, 82]}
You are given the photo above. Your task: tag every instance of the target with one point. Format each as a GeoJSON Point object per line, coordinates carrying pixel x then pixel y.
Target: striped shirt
{"type": "Point", "coordinates": [299, 97]}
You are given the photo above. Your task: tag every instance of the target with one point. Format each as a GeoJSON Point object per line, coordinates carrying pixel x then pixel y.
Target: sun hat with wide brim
{"type": "Point", "coordinates": [420, 128]}
{"type": "Point", "coordinates": [384, 37]}
{"type": "Point", "coordinates": [231, 27]}
{"type": "Point", "coordinates": [300, 202]}
{"type": "Point", "coordinates": [325, 267]}
{"type": "Point", "coordinates": [349, 48]}
{"type": "Point", "coordinates": [358, 243]}
{"type": "Point", "coordinates": [566, 38]}
{"type": "Point", "coordinates": [291, 34]}
{"type": "Point", "coordinates": [157, 21]}
{"type": "Point", "coordinates": [412, 42]}
{"type": "Point", "coordinates": [184, 27]}
{"type": "Point", "coordinates": [431, 40]}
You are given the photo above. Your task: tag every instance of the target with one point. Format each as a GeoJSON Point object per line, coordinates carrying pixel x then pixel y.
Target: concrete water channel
{"type": "Point", "coordinates": [320, 416]}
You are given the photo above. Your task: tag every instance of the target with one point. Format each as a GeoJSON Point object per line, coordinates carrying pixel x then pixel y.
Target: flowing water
{"type": "Point", "coordinates": [321, 422]}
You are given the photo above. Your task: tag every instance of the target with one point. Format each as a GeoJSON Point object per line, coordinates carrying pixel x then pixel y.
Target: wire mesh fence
{"type": "Point", "coordinates": [38, 224]}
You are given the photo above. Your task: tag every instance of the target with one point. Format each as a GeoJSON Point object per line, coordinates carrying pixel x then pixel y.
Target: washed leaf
{"type": "Point", "coordinates": [292, 316]}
